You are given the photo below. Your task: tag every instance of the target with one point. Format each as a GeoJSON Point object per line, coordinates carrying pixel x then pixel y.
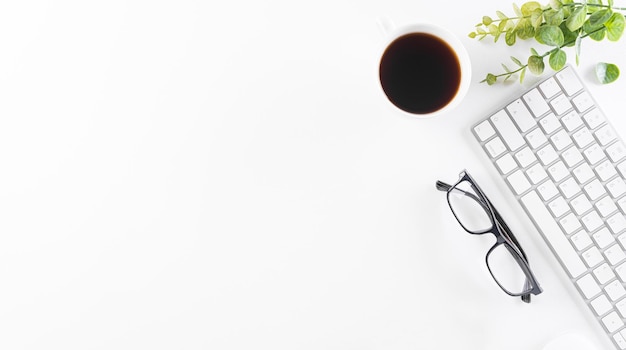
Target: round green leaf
{"type": "Point", "coordinates": [536, 65]}
{"type": "Point", "coordinates": [599, 18]}
{"type": "Point", "coordinates": [487, 20]}
{"type": "Point", "coordinates": [529, 7]}
{"type": "Point", "coordinates": [557, 59]}
{"type": "Point", "coordinates": [491, 79]}
{"type": "Point", "coordinates": [577, 18]}
{"type": "Point", "coordinates": [607, 72]}
{"type": "Point", "coordinates": [550, 35]}
{"type": "Point", "coordinates": [615, 26]}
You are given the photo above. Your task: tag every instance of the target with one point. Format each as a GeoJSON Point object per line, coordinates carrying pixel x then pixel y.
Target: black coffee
{"type": "Point", "coordinates": [420, 73]}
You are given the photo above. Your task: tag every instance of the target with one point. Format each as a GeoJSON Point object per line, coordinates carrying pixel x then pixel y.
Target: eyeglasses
{"type": "Point", "coordinates": [506, 260]}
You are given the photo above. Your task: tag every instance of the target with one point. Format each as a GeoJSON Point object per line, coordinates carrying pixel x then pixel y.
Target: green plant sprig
{"type": "Point", "coordinates": [560, 24]}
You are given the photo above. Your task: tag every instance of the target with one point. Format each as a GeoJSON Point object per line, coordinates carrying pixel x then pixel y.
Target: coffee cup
{"type": "Point", "coordinates": [424, 69]}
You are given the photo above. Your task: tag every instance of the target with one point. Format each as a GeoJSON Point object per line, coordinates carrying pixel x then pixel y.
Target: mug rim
{"type": "Point", "coordinates": [449, 38]}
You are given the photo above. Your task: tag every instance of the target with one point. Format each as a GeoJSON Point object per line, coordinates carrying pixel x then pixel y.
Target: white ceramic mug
{"type": "Point", "coordinates": [392, 36]}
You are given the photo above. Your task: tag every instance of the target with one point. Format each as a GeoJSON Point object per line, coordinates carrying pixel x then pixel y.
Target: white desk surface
{"type": "Point", "coordinates": [227, 175]}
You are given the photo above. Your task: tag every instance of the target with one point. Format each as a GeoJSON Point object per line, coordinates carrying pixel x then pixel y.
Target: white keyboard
{"type": "Point", "coordinates": [566, 165]}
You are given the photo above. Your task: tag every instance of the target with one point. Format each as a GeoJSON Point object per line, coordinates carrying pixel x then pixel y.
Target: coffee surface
{"type": "Point", "coordinates": [420, 73]}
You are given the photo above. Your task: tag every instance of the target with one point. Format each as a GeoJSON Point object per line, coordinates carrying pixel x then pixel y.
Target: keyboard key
{"type": "Point", "coordinates": [583, 101]}
{"type": "Point", "coordinates": [549, 88]}
{"type": "Point", "coordinates": [495, 147]}
{"type": "Point", "coordinates": [581, 241]}
{"type": "Point", "coordinates": [583, 137]}
{"type": "Point", "coordinates": [617, 223]}
{"type": "Point", "coordinates": [548, 190]}
{"type": "Point", "coordinates": [621, 307]}
{"type": "Point", "coordinates": [507, 130]}
{"type": "Point", "coordinates": [601, 305]}
{"type": "Point", "coordinates": [549, 123]}
{"type": "Point", "coordinates": [525, 157]}
{"type": "Point", "coordinates": [615, 290]}
{"type": "Point", "coordinates": [612, 322]}
{"type": "Point", "coordinates": [536, 173]}
{"type": "Point", "coordinates": [570, 223]}
{"type": "Point", "coordinates": [561, 140]}
{"type": "Point", "coordinates": [536, 138]}
{"type": "Point", "coordinates": [588, 286]}
{"type": "Point", "coordinates": [581, 204]}
{"type": "Point", "coordinates": [558, 206]}
{"type": "Point", "coordinates": [558, 171]}
{"type": "Point", "coordinates": [536, 103]}
{"type": "Point", "coordinates": [594, 118]}
{"type": "Point", "coordinates": [594, 189]}
{"type": "Point", "coordinates": [603, 273]}
{"type": "Point", "coordinates": [506, 164]}
{"type": "Point", "coordinates": [569, 188]}
{"type": "Point", "coordinates": [616, 187]}
{"type": "Point", "coordinates": [592, 257]}
{"type": "Point", "coordinates": [553, 234]}
{"type": "Point", "coordinates": [616, 152]}
{"type": "Point", "coordinates": [571, 121]}
{"type": "Point", "coordinates": [521, 116]}
{"type": "Point", "coordinates": [592, 221]}
{"type": "Point", "coordinates": [621, 272]}
{"type": "Point", "coordinates": [605, 170]}
{"type": "Point", "coordinates": [619, 340]}
{"type": "Point", "coordinates": [615, 254]}
{"type": "Point", "coordinates": [560, 104]}
{"type": "Point", "coordinates": [583, 173]}
{"type": "Point", "coordinates": [572, 156]}
{"type": "Point", "coordinates": [594, 154]}
{"type": "Point", "coordinates": [606, 206]}
{"type": "Point", "coordinates": [603, 238]}
{"type": "Point", "coordinates": [547, 154]}
{"type": "Point", "coordinates": [569, 81]}
{"type": "Point", "coordinates": [484, 130]}
{"type": "Point", "coordinates": [605, 135]}
{"type": "Point", "coordinates": [518, 182]}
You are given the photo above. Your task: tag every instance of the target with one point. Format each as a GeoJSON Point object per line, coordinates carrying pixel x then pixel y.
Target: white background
{"type": "Point", "coordinates": [228, 175]}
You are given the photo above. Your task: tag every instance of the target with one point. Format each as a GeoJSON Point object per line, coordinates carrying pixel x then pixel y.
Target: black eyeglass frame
{"type": "Point", "coordinates": [500, 230]}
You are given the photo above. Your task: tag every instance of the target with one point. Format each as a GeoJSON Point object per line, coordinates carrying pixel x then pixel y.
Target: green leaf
{"type": "Point", "coordinates": [577, 18]}
{"type": "Point", "coordinates": [615, 27]}
{"type": "Point", "coordinates": [557, 59]}
{"type": "Point", "coordinates": [555, 4]}
{"type": "Point", "coordinates": [518, 62]}
{"type": "Point", "coordinates": [510, 37]}
{"type": "Point", "coordinates": [487, 20]}
{"type": "Point", "coordinates": [522, 75]}
{"type": "Point", "coordinates": [529, 7]}
{"type": "Point", "coordinates": [536, 18]}
{"type": "Point", "coordinates": [600, 17]}
{"type": "Point", "coordinates": [598, 35]}
{"type": "Point", "coordinates": [569, 36]}
{"type": "Point", "coordinates": [607, 72]}
{"type": "Point", "coordinates": [592, 8]}
{"type": "Point", "coordinates": [525, 29]}
{"type": "Point", "coordinates": [501, 15]}
{"type": "Point", "coordinates": [534, 52]}
{"type": "Point", "coordinates": [517, 10]}
{"type": "Point", "coordinates": [578, 48]}
{"type": "Point", "coordinates": [550, 35]}
{"type": "Point", "coordinates": [491, 79]}
{"type": "Point", "coordinates": [536, 65]}
{"type": "Point", "coordinates": [554, 17]}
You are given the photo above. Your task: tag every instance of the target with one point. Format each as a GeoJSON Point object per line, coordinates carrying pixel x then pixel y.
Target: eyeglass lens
{"type": "Point", "coordinates": [468, 209]}
{"type": "Point", "coordinates": [504, 265]}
